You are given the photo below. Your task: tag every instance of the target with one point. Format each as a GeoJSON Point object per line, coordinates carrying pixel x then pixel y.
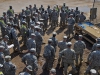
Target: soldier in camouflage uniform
{"type": "Point", "coordinates": [10, 12]}
{"type": "Point", "coordinates": [24, 32]}
{"type": "Point", "coordinates": [62, 45]}
{"type": "Point", "coordinates": [5, 17]}
{"type": "Point", "coordinates": [38, 40]}
{"type": "Point", "coordinates": [79, 47]}
{"type": "Point", "coordinates": [55, 41]}
{"type": "Point", "coordinates": [27, 71]}
{"type": "Point", "coordinates": [14, 34]}
{"type": "Point", "coordinates": [68, 56]}
{"type": "Point", "coordinates": [3, 26]}
{"type": "Point", "coordinates": [94, 60]}
{"type": "Point", "coordinates": [31, 42]}
{"type": "Point", "coordinates": [49, 55]}
{"type": "Point", "coordinates": [9, 67]}
{"type": "Point", "coordinates": [31, 59]}
{"type": "Point", "coordinates": [2, 60]}
{"type": "Point", "coordinates": [49, 12]}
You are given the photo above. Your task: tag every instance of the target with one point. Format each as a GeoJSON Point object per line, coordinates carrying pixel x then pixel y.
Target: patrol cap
{"type": "Point", "coordinates": [11, 17]}
{"type": "Point", "coordinates": [53, 70]}
{"type": "Point", "coordinates": [8, 23]}
{"type": "Point", "coordinates": [71, 14]}
{"type": "Point", "coordinates": [98, 45]}
{"type": "Point", "coordinates": [1, 65]}
{"type": "Point", "coordinates": [98, 39]}
{"type": "Point", "coordinates": [32, 25]}
{"type": "Point", "coordinates": [7, 57]}
{"type": "Point", "coordinates": [69, 43]}
{"type": "Point", "coordinates": [2, 47]}
{"type": "Point", "coordinates": [69, 74]}
{"type": "Point", "coordinates": [32, 50]}
{"type": "Point", "coordinates": [6, 37]}
{"type": "Point", "coordinates": [80, 36]}
{"type": "Point", "coordinates": [41, 23]}
{"type": "Point", "coordinates": [65, 37]}
{"type": "Point", "coordinates": [24, 15]}
{"type": "Point", "coordinates": [32, 34]}
{"type": "Point", "coordinates": [37, 27]}
{"type": "Point", "coordinates": [1, 17]}
{"type": "Point", "coordinates": [36, 13]}
{"type": "Point", "coordinates": [29, 67]}
{"type": "Point", "coordinates": [54, 33]}
{"type": "Point", "coordinates": [23, 21]}
{"type": "Point", "coordinates": [38, 23]}
{"type": "Point", "coordinates": [50, 40]}
{"type": "Point", "coordinates": [93, 71]}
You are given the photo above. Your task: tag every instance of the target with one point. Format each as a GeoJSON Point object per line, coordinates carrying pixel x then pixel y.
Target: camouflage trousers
{"type": "Point", "coordinates": [16, 45]}
{"type": "Point", "coordinates": [79, 54]}
{"type": "Point", "coordinates": [48, 64]}
{"type": "Point", "coordinates": [38, 49]}
{"type": "Point", "coordinates": [66, 67]}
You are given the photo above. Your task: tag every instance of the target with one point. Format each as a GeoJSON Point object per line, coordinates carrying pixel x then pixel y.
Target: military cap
{"type": "Point", "coordinates": [6, 37]}
{"type": "Point", "coordinates": [71, 14]}
{"type": "Point", "coordinates": [32, 34]}
{"type": "Point", "coordinates": [1, 17]}
{"type": "Point", "coordinates": [93, 71]}
{"type": "Point", "coordinates": [98, 39]}
{"type": "Point", "coordinates": [36, 13]}
{"type": "Point", "coordinates": [11, 17]}
{"type": "Point", "coordinates": [69, 43]}
{"type": "Point", "coordinates": [23, 21]}
{"type": "Point", "coordinates": [38, 23]}
{"type": "Point", "coordinates": [98, 45]}
{"type": "Point", "coordinates": [80, 36]}
{"type": "Point", "coordinates": [53, 70]}
{"type": "Point", "coordinates": [69, 74]}
{"type": "Point", "coordinates": [32, 25]}
{"type": "Point", "coordinates": [2, 47]}
{"type": "Point", "coordinates": [24, 15]}
{"type": "Point", "coordinates": [7, 57]}
{"type": "Point", "coordinates": [29, 67]}
{"type": "Point", "coordinates": [54, 33]}
{"type": "Point", "coordinates": [37, 27]}
{"type": "Point", "coordinates": [32, 50]}
{"type": "Point", "coordinates": [41, 23]}
{"type": "Point", "coordinates": [65, 37]}
{"type": "Point", "coordinates": [8, 23]}
{"type": "Point", "coordinates": [1, 65]}
{"type": "Point", "coordinates": [50, 40]}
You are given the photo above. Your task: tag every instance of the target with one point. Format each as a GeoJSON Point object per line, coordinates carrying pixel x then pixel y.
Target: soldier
{"type": "Point", "coordinates": [10, 11]}
{"type": "Point", "coordinates": [27, 71]}
{"type": "Point", "coordinates": [71, 22]}
{"type": "Point", "coordinates": [36, 17]}
{"type": "Point", "coordinates": [31, 59]}
{"type": "Point", "coordinates": [34, 8]}
{"type": "Point", "coordinates": [38, 40]}
{"type": "Point", "coordinates": [49, 12]}
{"type": "Point", "coordinates": [2, 60]}
{"type": "Point", "coordinates": [62, 18]}
{"type": "Point", "coordinates": [54, 17]}
{"type": "Point", "coordinates": [63, 7]}
{"type": "Point", "coordinates": [21, 14]}
{"type": "Point", "coordinates": [6, 49]}
{"type": "Point", "coordinates": [41, 8]}
{"type": "Point", "coordinates": [31, 42]}
{"type": "Point", "coordinates": [32, 22]}
{"type": "Point", "coordinates": [62, 45]}
{"type": "Point", "coordinates": [54, 40]}
{"type": "Point", "coordinates": [94, 60]}
{"type": "Point", "coordinates": [53, 71]}
{"type": "Point", "coordinates": [11, 20]}
{"type": "Point", "coordinates": [9, 67]}
{"type": "Point", "coordinates": [28, 15]}
{"type": "Point", "coordinates": [77, 13]}
{"type": "Point", "coordinates": [15, 38]}
{"type": "Point", "coordinates": [49, 55]}
{"type": "Point", "coordinates": [23, 19]}
{"type": "Point", "coordinates": [3, 26]}
{"type": "Point", "coordinates": [5, 17]}
{"type": "Point", "coordinates": [8, 31]}
{"type": "Point", "coordinates": [24, 32]}
{"type": "Point", "coordinates": [45, 17]}
{"type": "Point", "coordinates": [72, 12]}
{"type": "Point", "coordinates": [16, 20]}
{"type": "Point", "coordinates": [82, 17]}
{"type": "Point", "coordinates": [79, 47]}
{"type": "Point", "coordinates": [1, 69]}
{"type": "Point", "coordinates": [30, 31]}
{"type": "Point", "coordinates": [31, 10]}
{"type": "Point", "coordinates": [68, 56]}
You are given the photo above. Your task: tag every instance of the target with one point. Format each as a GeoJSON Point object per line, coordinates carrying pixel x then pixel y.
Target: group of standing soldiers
{"type": "Point", "coordinates": [30, 24]}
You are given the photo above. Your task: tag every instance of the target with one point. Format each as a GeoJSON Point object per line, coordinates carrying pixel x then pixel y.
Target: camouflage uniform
{"type": "Point", "coordinates": [49, 55]}
{"type": "Point", "coordinates": [79, 47]}
{"type": "Point", "coordinates": [2, 60]}
{"type": "Point", "coordinates": [10, 12]}
{"type": "Point", "coordinates": [39, 41]}
{"type": "Point", "coordinates": [68, 58]}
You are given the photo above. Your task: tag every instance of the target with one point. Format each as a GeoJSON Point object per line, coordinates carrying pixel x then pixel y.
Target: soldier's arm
{"type": "Point", "coordinates": [36, 65]}
{"type": "Point", "coordinates": [24, 59]}
{"type": "Point", "coordinates": [74, 55]}
{"type": "Point", "coordinates": [61, 53]}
